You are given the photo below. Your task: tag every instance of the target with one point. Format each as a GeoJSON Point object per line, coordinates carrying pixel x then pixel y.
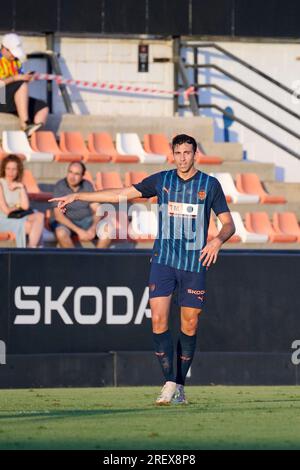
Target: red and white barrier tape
{"type": "Point", "coordinates": [112, 87]}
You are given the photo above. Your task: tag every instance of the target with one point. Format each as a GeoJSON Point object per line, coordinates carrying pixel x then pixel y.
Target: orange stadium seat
{"type": "Point", "coordinates": [2, 153]}
{"type": "Point", "coordinates": [203, 159]}
{"type": "Point", "coordinates": [6, 236]}
{"type": "Point", "coordinates": [7, 240]}
{"type": "Point", "coordinates": [134, 177]}
{"type": "Point", "coordinates": [249, 183]}
{"type": "Point", "coordinates": [73, 142]}
{"type": "Point", "coordinates": [158, 143]}
{"type": "Point", "coordinates": [259, 222]}
{"type": "Point", "coordinates": [108, 180]}
{"type": "Point", "coordinates": [44, 141]}
{"type": "Point", "coordinates": [286, 222]}
{"type": "Point", "coordinates": [88, 177]}
{"type": "Point", "coordinates": [32, 188]}
{"type": "Point", "coordinates": [102, 143]}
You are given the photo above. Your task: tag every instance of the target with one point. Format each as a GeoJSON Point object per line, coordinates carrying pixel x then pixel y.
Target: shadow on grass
{"type": "Point", "coordinates": [70, 413]}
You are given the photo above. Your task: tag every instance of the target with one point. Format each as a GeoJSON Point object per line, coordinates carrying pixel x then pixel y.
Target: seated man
{"type": "Point", "coordinates": [31, 111]}
{"type": "Point", "coordinates": [81, 219]}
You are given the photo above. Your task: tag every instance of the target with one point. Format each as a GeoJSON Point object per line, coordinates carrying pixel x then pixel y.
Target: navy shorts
{"type": "Point", "coordinates": [190, 286]}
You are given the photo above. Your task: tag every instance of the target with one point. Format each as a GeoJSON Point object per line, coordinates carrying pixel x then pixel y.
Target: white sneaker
{"type": "Point", "coordinates": [166, 394]}
{"type": "Point", "coordinates": [179, 396]}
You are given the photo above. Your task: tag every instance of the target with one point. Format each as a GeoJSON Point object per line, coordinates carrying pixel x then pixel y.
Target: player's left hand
{"type": "Point", "coordinates": [210, 252]}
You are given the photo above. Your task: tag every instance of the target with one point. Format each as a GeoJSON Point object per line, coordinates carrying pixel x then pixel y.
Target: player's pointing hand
{"type": "Point", "coordinates": [63, 201]}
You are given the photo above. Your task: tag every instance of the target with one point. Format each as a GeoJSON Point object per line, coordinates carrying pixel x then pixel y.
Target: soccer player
{"type": "Point", "coordinates": [181, 254]}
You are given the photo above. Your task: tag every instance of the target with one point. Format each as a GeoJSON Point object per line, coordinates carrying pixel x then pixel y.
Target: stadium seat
{"type": "Point", "coordinates": [108, 180]}
{"type": "Point", "coordinates": [259, 222]}
{"type": "Point", "coordinates": [143, 226]}
{"type": "Point", "coordinates": [73, 142]}
{"type": "Point", "coordinates": [102, 143]}
{"type": "Point", "coordinates": [88, 177]}
{"type": "Point", "coordinates": [134, 177]}
{"type": "Point", "coordinates": [249, 183]}
{"type": "Point", "coordinates": [129, 143]}
{"type": "Point", "coordinates": [7, 239]}
{"type": "Point", "coordinates": [16, 142]}
{"type": "Point", "coordinates": [203, 159]}
{"type": "Point", "coordinates": [34, 192]}
{"type": "Point", "coordinates": [2, 153]}
{"type": "Point", "coordinates": [229, 189]}
{"type": "Point", "coordinates": [44, 141]}
{"type": "Point", "coordinates": [159, 144]}
{"type": "Point", "coordinates": [286, 222]}
{"type": "Point", "coordinates": [213, 232]}
{"type": "Point", "coordinates": [242, 232]}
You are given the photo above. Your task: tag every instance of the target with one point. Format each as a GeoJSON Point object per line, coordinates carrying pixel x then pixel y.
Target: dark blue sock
{"type": "Point", "coordinates": [164, 352]}
{"type": "Point", "coordinates": [185, 352]}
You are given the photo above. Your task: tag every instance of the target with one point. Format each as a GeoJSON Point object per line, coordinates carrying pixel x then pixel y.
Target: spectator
{"type": "Point", "coordinates": [13, 196]}
{"type": "Point", "coordinates": [31, 111]}
{"type": "Point", "coordinates": [81, 219]}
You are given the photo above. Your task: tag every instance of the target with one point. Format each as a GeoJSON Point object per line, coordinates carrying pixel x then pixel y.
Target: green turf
{"type": "Point", "coordinates": [124, 418]}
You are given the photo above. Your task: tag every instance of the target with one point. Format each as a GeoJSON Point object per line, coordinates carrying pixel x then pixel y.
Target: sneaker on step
{"type": "Point", "coordinates": [179, 396]}
{"type": "Point", "coordinates": [166, 394]}
{"type": "Point", "coordinates": [31, 128]}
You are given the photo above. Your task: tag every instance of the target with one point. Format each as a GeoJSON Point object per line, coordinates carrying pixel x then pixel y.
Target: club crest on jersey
{"type": "Point", "coordinates": [202, 195]}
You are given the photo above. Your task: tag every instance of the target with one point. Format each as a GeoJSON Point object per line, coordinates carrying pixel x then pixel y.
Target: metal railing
{"type": "Point", "coordinates": [195, 105]}
{"type": "Point", "coordinates": [53, 67]}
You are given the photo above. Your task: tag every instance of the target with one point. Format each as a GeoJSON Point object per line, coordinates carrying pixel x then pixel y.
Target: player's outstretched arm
{"type": "Point", "coordinates": [106, 195]}
{"type": "Point", "coordinates": [210, 252]}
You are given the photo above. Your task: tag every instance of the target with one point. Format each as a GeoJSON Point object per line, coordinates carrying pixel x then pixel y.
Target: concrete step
{"type": "Point", "coordinates": [291, 191]}
{"type": "Point", "coordinates": [51, 172]}
{"type": "Point", "coordinates": [199, 127]}
{"type": "Point", "coordinates": [269, 208]}
{"type": "Point", "coordinates": [230, 151]}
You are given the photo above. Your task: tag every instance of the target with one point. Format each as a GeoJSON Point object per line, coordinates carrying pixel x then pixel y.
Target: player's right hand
{"type": "Point", "coordinates": [63, 201]}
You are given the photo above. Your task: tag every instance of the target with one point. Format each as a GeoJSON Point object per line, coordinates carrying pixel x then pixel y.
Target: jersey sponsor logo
{"type": "Point", "coordinates": [182, 209]}
{"type": "Point", "coordinates": [202, 195]}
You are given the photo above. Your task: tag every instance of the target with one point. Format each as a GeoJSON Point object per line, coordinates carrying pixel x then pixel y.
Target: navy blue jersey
{"type": "Point", "coordinates": [184, 213]}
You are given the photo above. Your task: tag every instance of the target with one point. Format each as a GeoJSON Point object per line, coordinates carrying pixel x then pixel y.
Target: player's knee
{"type": "Point", "coordinates": [189, 327]}
{"type": "Point", "coordinates": [159, 322]}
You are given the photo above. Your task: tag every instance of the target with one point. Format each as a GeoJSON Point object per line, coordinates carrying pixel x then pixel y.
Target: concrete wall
{"type": "Point", "coordinates": [275, 59]}
{"type": "Point", "coordinates": [113, 61]}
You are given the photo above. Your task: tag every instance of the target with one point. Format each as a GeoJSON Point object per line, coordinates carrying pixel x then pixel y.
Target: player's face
{"type": "Point", "coordinates": [184, 157]}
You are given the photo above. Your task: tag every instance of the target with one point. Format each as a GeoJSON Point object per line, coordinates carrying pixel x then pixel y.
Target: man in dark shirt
{"type": "Point", "coordinates": [81, 218]}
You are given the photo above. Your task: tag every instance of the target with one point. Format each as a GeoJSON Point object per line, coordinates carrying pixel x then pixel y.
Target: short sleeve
{"type": "Point", "coordinates": [148, 187]}
{"type": "Point", "coordinates": [219, 203]}
{"type": "Point", "coordinates": [58, 191]}
{"type": "Point", "coordinates": [87, 187]}
{"type": "Point", "coordinates": [20, 67]}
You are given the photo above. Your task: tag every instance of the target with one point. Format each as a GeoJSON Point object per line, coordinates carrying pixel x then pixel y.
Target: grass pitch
{"type": "Point", "coordinates": [217, 417]}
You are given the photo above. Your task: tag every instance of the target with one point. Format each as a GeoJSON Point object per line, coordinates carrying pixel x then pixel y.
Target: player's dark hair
{"type": "Point", "coordinates": [83, 167]}
{"type": "Point", "coordinates": [184, 139]}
